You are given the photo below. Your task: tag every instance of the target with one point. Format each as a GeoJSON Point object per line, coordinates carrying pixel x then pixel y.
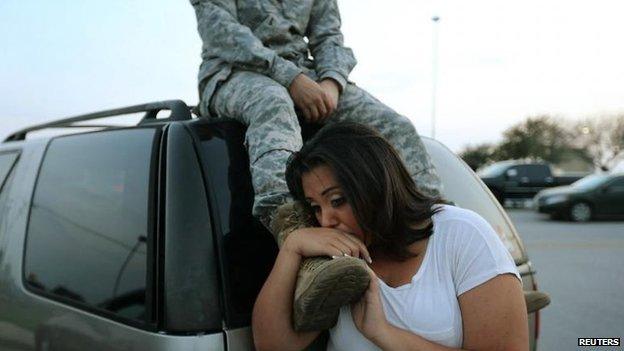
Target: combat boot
{"type": "Point", "coordinates": [535, 300]}
{"type": "Point", "coordinates": [323, 284]}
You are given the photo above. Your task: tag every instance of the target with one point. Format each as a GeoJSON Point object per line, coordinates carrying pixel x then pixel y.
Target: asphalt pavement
{"type": "Point", "coordinates": [581, 266]}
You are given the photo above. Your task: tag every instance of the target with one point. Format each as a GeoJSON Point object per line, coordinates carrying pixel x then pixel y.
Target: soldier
{"type": "Point", "coordinates": [265, 62]}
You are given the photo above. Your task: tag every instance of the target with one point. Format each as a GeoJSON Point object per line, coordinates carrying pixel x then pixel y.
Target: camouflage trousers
{"type": "Point", "coordinates": [273, 132]}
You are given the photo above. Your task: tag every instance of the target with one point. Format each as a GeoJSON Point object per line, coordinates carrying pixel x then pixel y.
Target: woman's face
{"type": "Point", "coordinates": [328, 201]}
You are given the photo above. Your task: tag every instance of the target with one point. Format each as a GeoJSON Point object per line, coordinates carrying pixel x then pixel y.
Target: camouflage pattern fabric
{"type": "Point", "coordinates": [267, 37]}
{"type": "Point", "coordinates": [252, 50]}
{"type": "Point", "coordinates": [274, 133]}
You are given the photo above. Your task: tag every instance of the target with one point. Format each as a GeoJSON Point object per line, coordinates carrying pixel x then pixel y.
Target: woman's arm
{"type": "Point", "coordinates": [494, 318]}
{"type": "Point", "coordinates": [272, 314]}
{"type": "Point", "coordinates": [494, 315]}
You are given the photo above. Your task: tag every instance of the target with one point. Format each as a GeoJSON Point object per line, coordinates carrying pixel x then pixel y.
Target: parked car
{"type": "Point", "coordinates": [595, 196]}
{"type": "Point", "coordinates": [521, 180]}
{"type": "Point", "coordinates": [618, 166]}
{"type": "Point", "coordinates": [142, 238]}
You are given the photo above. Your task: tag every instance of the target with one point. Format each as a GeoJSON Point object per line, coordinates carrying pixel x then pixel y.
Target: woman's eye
{"type": "Point", "coordinates": [337, 201]}
{"type": "Point", "coordinates": [315, 208]}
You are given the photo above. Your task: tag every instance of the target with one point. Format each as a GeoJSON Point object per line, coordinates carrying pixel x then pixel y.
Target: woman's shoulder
{"type": "Point", "coordinates": [461, 224]}
{"type": "Point", "coordinates": [454, 214]}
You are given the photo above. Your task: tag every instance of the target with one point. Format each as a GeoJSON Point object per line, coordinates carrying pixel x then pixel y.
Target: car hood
{"type": "Point", "coordinates": [488, 179]}
{"type": "Point", "coordinates": [558, 190]}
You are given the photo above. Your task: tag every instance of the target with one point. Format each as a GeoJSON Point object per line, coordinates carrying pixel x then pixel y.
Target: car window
{"type": "Point", "coordinates": [88, 227]}
{"type": "Point", "coordinates": [617, 186]}
{"type": "Point", "coordinates": [537, 172]}
{"type": "Point", "coordinates": [6, 164]}
{"type": "Point", "coordinates": [516, 172]}
{"type": "Point", "coordinates": [493, 170]}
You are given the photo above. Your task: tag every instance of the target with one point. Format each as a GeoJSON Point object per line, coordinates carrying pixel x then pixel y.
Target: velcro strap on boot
{"type": "Point", "coordinates": [289, 217]}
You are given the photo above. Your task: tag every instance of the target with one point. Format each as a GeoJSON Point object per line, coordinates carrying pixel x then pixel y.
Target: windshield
{"type": "Point", "coordinates": [493, 170]}
{"type": "Point", "coordinates": [590, 181]}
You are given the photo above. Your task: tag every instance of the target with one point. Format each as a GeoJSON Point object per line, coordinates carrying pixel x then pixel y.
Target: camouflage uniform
{"type": "Point", "coordinates": [252, 51]}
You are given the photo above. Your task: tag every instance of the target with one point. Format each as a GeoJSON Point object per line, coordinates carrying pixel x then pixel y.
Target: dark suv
{"type": "Point", "coordinates": [142, 238]}
{"type": "Point", "coordinates": [514, 179]}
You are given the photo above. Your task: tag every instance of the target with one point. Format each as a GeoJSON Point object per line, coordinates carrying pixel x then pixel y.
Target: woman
{"type": "Point", "coordinates": [441, 279]}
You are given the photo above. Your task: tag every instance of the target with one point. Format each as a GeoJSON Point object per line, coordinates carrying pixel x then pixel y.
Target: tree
{"type": "Point", "coordinates": [538, 138]}
{"type": "Point", "coordinates": [478, 155]}
{"type": "Point", "coordinates": [602, 138]}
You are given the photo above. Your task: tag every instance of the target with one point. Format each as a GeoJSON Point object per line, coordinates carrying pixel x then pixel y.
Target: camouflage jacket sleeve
{"type": "Point", "coordinates": [225, 38]}
{"type": "Point", "coordinates": [332, 58]}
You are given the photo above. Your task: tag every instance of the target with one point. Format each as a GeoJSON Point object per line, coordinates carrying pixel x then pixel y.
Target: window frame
{"type": "Point", "coordinates": [6, 182]}
{"type": "Point", "coordinates": [155, 194]}
{"type": "Point", "coordinates": [17, 153]}
{"type": "Point", "coordinates": [616, 183]}
{"type": "Point", "coordinates": [537, 172]}
{"type": "Point", "coordinates": [228, 132]}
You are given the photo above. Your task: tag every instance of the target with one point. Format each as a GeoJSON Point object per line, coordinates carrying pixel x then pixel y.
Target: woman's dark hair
{"type": "Point", "coordinates": [375, 182]}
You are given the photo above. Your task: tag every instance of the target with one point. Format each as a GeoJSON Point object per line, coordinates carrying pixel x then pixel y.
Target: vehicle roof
{"type": "Point", "coordinates": [179, 111]}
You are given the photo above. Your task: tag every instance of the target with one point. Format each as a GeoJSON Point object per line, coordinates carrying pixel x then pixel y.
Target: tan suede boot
{"type": "Point", "coordinates": [323, 284]}
{"type": "Point", "coordinates": [536, 300]}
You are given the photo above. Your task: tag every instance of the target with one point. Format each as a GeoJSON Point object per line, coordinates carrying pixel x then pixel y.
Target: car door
{"type": "Point", "coordinates": [516, 181]}
{"type": "Point", "coordinates": [246, 249]}
{"type": "Point", "coordinates": [88, 278]}
{"type": "Point", "coordinates": [537, 178]}
{"type": "Point", "coordinates": [610, 199]}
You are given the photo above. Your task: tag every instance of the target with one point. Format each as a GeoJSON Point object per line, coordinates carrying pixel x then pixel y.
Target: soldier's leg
{"type": "Point", "coordinates": [356, 105]}
{"type": "Point", "coordinates": [273, 133]}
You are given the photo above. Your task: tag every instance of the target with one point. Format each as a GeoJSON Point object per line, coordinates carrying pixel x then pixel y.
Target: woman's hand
{"type": "Point", "coordinates": [368, 314]}
{"type": "Point", "coordinates": [308, 242]}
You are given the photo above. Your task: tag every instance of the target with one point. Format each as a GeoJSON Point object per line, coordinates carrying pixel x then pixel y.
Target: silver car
{"type": "Point", "coordinates": [141, 237]}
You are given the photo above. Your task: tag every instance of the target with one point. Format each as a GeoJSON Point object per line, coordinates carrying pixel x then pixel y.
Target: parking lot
{"type": "Point", "coordinates": [581, 265]}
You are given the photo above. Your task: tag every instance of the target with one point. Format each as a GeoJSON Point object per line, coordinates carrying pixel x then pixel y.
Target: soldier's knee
{"type": "Point", "coordinates": [272, 105]}
{"type": "Point", "coordinates": [275, 96]}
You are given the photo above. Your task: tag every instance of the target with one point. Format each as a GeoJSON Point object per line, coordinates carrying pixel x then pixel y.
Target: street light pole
{"type": "Point", "coordinates": [434, 73]}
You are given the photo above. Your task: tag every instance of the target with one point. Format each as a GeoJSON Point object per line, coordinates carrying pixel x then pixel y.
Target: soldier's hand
{"type": "Point", "coordinates": [332, 89]}
{"type": "Point", "coordinates": [310, 98]}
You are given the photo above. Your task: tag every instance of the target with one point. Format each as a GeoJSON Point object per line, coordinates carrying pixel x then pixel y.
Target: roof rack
{"type": "Point", "coordinates": [179, 112]}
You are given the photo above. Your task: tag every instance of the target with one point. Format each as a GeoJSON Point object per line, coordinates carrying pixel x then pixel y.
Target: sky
{"type": "Point", "coordinates": [499, 62]}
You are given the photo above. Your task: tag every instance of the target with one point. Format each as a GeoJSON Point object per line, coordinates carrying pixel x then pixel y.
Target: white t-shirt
{"type": "Point", "coordinates": [463, 252]}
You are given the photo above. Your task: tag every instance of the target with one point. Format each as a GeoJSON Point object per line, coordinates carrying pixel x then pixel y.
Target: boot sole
{"type": "Point", "coordinates": [342, 281]}
{"type": "Point", "coordinates": [537, 302]}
